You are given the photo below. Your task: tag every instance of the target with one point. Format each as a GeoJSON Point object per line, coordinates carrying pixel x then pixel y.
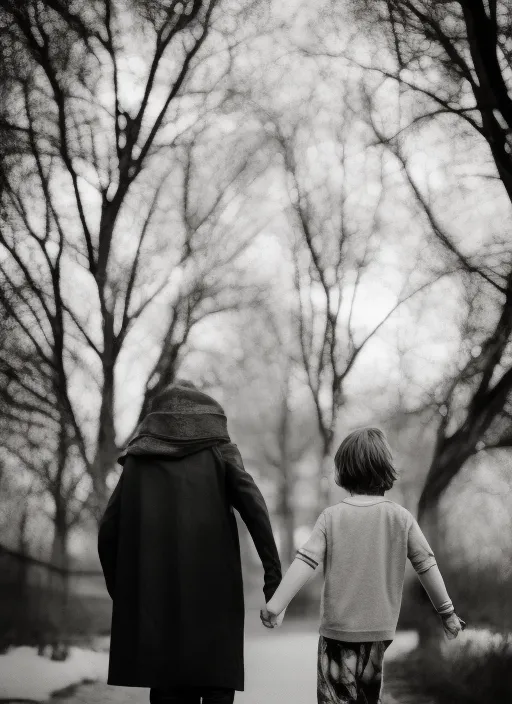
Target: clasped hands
{"type": "Point", "coordinates": [270, 619]}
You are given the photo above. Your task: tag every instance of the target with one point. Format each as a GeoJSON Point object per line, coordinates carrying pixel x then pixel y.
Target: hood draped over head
{"type": "Point", "coordinates": [181, 420]}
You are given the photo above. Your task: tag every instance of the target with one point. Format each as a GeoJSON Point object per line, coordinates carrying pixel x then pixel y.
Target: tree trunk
{"type": "Point", "coordinates": [164, 373]}
{"type": "Point", "coordinates": [286, 508]}
{"type": "Point", "coordinates": [60, 581]}
{"type": "Point", "coordinates": [287, 516]}
{"type": "Point", "coordinates": [491, 93]}
{"type": "Point", "coordinates": [59, 553]}
{"type": "Point", "coordinates": [24, 608]}
{"type": "Point", "coordinates": [288, 544]}
{"type": "Point", "coordinates": [450, 455]}
{"type": "Point", "coordinates": [324, 482]}
{"type": "Point", "coordinates": [106, 448]}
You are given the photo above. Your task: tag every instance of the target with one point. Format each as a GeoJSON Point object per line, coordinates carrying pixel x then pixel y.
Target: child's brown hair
{"type": "Point", "coordinates": [364, 463]}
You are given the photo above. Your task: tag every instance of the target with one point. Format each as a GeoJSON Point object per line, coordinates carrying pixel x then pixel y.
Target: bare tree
{"type": "Point", "coordinates": [455, 59]}
{"type": "Point", "coordinates": [212, 244]}
{"type": "Point", "coordinates": [95, 143]}
{"type": "Point", "coordinates": [36, 414]}
{"type": "Point", "coordinates": [334, 251]}
{"type": "Point", "coordinates": [451, 65]}
{"type": "Point", "coordinates": [452, 62]}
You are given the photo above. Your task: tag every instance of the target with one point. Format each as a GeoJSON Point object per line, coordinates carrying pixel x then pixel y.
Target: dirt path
{"type": "Point", "coordinates": [280, 669]}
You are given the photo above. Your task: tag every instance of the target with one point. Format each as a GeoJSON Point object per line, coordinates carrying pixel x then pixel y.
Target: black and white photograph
{"type": "Point", "coordinates": [255, 351]}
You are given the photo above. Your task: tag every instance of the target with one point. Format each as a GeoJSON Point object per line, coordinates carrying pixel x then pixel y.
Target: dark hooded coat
{"type": "Point", "coordinates": [168, 545]}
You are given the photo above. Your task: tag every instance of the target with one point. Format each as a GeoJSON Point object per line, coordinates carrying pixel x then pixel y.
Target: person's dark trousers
{"type": "Point", "coordinates": [192, 695]}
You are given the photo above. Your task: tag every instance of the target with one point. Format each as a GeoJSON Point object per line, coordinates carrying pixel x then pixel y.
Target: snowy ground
{"type": "Point", "coordinates": [25, 675]}
{"type": "Point", "coordinates": [280, 667]}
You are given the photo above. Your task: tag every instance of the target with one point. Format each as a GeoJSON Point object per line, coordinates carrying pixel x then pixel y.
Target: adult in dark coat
{"type": "Point", "coordinates": [168, 545]}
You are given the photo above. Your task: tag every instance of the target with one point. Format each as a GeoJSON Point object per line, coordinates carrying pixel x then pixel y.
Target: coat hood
{"type": "Point", "coordinates": [181, 419]}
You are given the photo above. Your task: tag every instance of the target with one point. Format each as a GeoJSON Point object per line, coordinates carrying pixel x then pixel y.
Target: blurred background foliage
{"type": "Point", "coordinates": [305, 209]}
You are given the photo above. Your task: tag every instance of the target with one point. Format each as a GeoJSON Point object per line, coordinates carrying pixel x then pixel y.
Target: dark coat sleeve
{"type": "Point", "coordinates": [108, 537]}
{"type": "Point", "coordinates": [250, 504]}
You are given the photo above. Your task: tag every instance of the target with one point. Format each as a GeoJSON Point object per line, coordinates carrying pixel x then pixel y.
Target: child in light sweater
{"type": "Point", "coordinates": [362, 544]}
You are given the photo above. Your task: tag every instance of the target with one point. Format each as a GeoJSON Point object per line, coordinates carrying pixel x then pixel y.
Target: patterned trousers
{"type": "Point", "coordinates": [350, 673]}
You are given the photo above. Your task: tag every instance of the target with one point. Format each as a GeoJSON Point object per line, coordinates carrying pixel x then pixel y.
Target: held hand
{"type": "Point", "coordinates": [452, 625]}
{"type": "Point", "coordinates": [278, 619]}
{"type": "Point", "coordinates": [271, 620]}
{"type": "Point", "coordinates": [266, 618]}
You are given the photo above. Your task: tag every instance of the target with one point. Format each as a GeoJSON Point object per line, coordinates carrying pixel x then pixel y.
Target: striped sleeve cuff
{"type": "Point", "coordinates": [301, 555]}
{"type": "Point", "coordinates": [424, 564]}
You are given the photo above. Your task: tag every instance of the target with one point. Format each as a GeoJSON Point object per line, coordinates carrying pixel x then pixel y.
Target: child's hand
{"type": "Point", "coordinates": [266, 618]}
{"type": "Point", "coordinates": [271, 620]}
{"type": "Point", "coordinates": [452, 625]}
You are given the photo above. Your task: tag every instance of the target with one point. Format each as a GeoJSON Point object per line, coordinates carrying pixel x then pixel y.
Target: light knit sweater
{"type": "Point", "coordinates": [363, 543]}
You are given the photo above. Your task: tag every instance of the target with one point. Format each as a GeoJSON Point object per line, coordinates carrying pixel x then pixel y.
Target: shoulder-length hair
{"type": "Point", "coordinates": [364, 462]}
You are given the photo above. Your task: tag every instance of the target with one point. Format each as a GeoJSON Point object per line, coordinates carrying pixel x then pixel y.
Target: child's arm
{"type": "Point", "coordinates": [424, 562]}
{"type": "Point", "coordinates": [295, 578]}
{"type": "Point", "coordinates": [300, 571]}
{"type": "Point", "coordinates": [433, 583]}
